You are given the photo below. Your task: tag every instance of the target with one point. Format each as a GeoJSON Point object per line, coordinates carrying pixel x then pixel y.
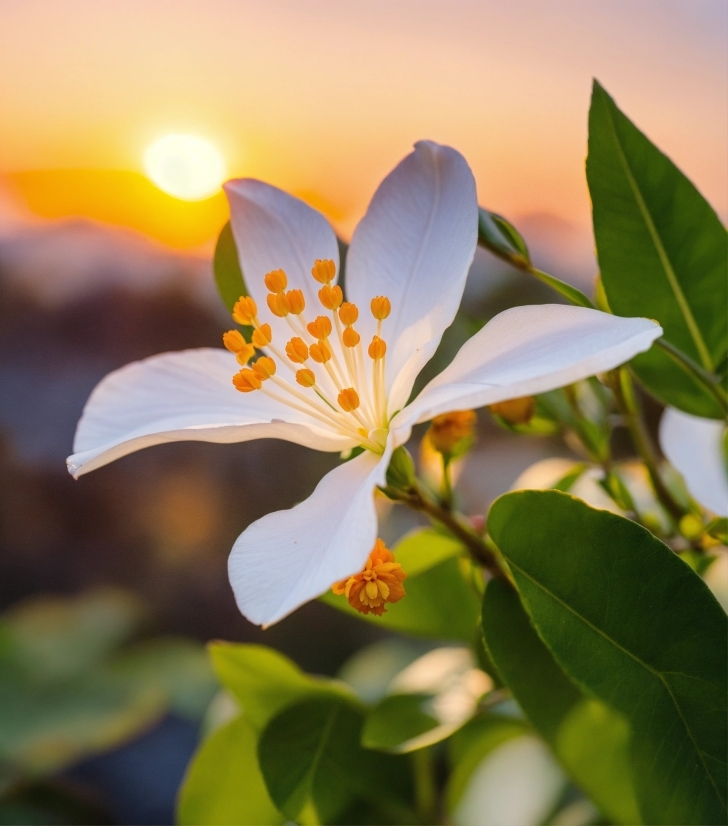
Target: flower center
{"type": "Point", "coordinates": [326, 372]}
{"type": "Point", "coordinates": [380, 581]}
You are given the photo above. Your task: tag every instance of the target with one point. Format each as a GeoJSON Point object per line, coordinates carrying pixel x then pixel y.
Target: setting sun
{"type": "Point", "coordinates": [185, 166]}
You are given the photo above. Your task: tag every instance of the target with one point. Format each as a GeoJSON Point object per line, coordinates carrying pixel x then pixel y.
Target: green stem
{"type": "Point", "coordinates": [446, 494]}
{"type": "Point", "coordinates": [425, 788]}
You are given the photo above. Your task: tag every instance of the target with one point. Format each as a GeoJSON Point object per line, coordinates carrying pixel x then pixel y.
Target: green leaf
{"type": "Point", "coordinates": [311, 758]}
{"type": "Point", "coordinates": [226, 266]}
{"type": "Point", "coordinates": [569, 722]}
{"type": "Point", "coordinates": [440, 603]}
{"type": "Point", "coordinates": [395, 721]}
{"type": "Point", "coordinates": [264, 681]}
{"type": "Point", "coordinates": [223, 785]}
{"type": "Point", "coordinates": [662, 253]}
{"type": "Point", "coordinates": [633, 625]}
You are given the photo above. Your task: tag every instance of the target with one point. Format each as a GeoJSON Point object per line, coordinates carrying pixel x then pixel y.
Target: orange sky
{"type": "Point", "coordinates": [323, 97]}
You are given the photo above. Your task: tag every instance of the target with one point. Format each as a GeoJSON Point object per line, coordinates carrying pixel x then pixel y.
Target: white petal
{"type": "Point", "coordinates": [273, 230]}
{"type": "Point", "coordinates": [185, 396]}
{"type": "Point", "coordinates": [414, 245]}
{"type": "Point", "coordinates": [694, 446]}
{"type": "Point", "coordinates": [529, 350]}
{"type": "Point", "coordinates": [290, 557]}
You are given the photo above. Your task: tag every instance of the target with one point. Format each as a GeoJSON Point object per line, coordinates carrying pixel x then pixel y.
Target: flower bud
{"type": "Point", "coordinates": [448, 431]}
{"type": "Point", "coordinates": [306, 377]}
{"type": "Point", "coordinates": [262, 336]}
{"type": "Point", "coordinates": [276, 281]}
{"type": "Point", "coordinates": [331, 297]}
{"type": "Point", "coordinates": [348, 313]}
{"type": "Point", "coordinates": [245, 311]}
{"type": "Point", "coordinates": [515, 411]}
{"type": "Point", "coordinates": [296, 301]}
{"type": "Point", "coordinates": [401, 470]}
{"type": "Point", "coordinates": [296, 350]}
{"type": "Point", "coordinates": [245, 381]}
{"type": "Point", "coordinates": [278, 304]}
{"type": "Point", "coordinates": [381, 307]}
{"type": "Point", "coordinates": [323, 270]}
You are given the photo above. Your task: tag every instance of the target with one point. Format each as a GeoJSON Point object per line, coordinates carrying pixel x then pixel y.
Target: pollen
{"type": "Point", "coordinates": [350, 337]}
{"type": "Point", "coordinates": [381, 307]}
{"type": "Point", "coordinates": [323, 270]}
{"type": "Point", "coordinates": [296, 301]}
{"type": "Point", "coordinates": [450, 428]}
{"type": "Point", "coordinates": [515, 411]}
{"type": "Point", "coordinates": [320, 327]}
{"type": "Point", "coordinates": [320, 352]}
{"type": "Point", "coordinates": [262, 336]}
{"type": "Point", "coordinates": [306, 377]}
{"type": "Point", "coordinates": [379, 582]}
{"type": "Point", "coordinates": [245, 311]}
{"type": "Point", "coordinates": [278, 304]}
{"type": "Point", "coordinates": [296, 350]}
{"type": "Point", "coordinates": [246, 381]}
{"type": "Point", "coordinates": [331, 297]}
{"type": "Point", "coordinates": [264, 368]}
{"type": "Point", "coordinates": [276, 281]}
{"type": "Point", "coordinates": [348, 313]}
{"type": "Point", "coordinates": [377, 348]}
{"type": "Point", "coordinates": [348, 400]}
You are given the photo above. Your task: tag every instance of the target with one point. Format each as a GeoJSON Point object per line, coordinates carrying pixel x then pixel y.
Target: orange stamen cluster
{"type": "Point", "coordinates": [379, 582]}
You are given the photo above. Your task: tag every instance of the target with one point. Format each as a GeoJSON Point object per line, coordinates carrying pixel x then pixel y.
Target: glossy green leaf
{"type": "Point", "coordinates": [223, 785]}
{"type": "Point", "coordinates": [569, 722]}
{"type": "Point", "coordinates": [395, 721]}
{"type": "Point", "coordinates": [311, 758]}
{"type": "Point", "coordinates": [662, 253]}
{"type": "Point", "coordinates": [226, 266]}
{"type": "Point", "coordinates": [264, 681]}
{"type": "Point", "coordinates": [633, 625]}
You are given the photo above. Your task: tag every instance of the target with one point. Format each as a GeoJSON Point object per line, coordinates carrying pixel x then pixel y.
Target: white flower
{"type": "Point", "coordinates": [411, 252]}
{"type": "Point", "coordinates": [695, 447]}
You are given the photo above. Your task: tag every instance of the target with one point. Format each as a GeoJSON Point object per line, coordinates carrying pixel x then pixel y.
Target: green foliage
{"type": "Point", "coordinates": [396, 721]}
{"type": "Point", "coordinates": [634, 626]}
{"type": "Point", "coordinates": [662, 253]}
{"type": "Point", "coordinates": [576, 728]}
{"type": "Point", "coordinates": [440, 602]}
{"type": "Point", "coordinates": [313, 764]}
{"type": "Point", "coordinates": [223, 785]}
{"type": "Point", "coordinates": [226, 267]}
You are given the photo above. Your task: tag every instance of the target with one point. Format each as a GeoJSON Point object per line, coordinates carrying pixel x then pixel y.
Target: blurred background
{"type": "Point", "coordinates": [118, 122]}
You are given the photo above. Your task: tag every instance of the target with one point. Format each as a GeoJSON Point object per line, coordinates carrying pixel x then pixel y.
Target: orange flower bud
{"type": "Point", "coordinates": [278, 304]}
{"type": "Point", "coordinates": [264, 368]}
{"type": "Point", "coordinates": [450, 428]}
{"type": "Point", "coordinates": [377, 348]}
{"type": "Point", "coordinates": [381, 307]}
{"type": "Point", "coordinates": [245, 381]}
{"type": "Point", "coordinates": [320, 327]}
{"type": "Point", "coordinates": [331, 297]}
{"type": "Point", "coordinates": [276, 281]}
{"type": "Point", "coordinates": [350, 337]}
{"type": "Point", "coordinates": [306, 377]}
{"type": "Point", "coordinates": [515, 411]}
{"type": "Point", "coordinates": [348, 400]}
{"type": "Point", "coordinates": [348, 313]}
{"type": "Point", "coordinates": [320, 352]}
{"type": "Point", "coordinates": [262, 336]}
{"type": "Point", "coordinates": [245, 311]}
{"type": "Point", "coordinates": [323, 270]}
{"type": "Point", "coordinates": [296, 350]}
{"type": "Point", "coordinates": [296, 301]}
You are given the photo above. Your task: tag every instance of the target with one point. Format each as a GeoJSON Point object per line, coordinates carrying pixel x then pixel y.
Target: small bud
{"type": "Point", "coordinates": [262, 336]}
{"type": "Point", "coordinates": [320, 327]}
{"type": "Point", "coordinates": [691, 527]}
{"type": "Point", "coordinates": [323, 270]}
{"type": "Point", "coordinates": [348, 400]}
{"type": "Point", "coordinates": [296, 350]}
{"type": "Point", "coordinates": [331, 297]}
{"type": "Point", "coordinates": [276, 281]}
{"type": "Point", "coordinates": [515, 411]}
{"type": "Point", "coordinates": [449, 430]}
{"type": "Point", "coordinates": [264, 368]}
{"type": "Point", "coordinates": [350, 337]}
{"type": "Point", "coordinates": [377, 348]}
{"type": "Point", "coordinates": [296, 301]}
{"type": "Point", "coordinates": [348, 313]}
{"type": "Point", "coordinates": [320, 352]}
{"type": "Point", "coordinates": [401, 470]}
{"type": "Point", "coordinates": [245, 381]}
{"type": "Point", "coordinates": [278, 304]}
{"type": "Point", "coordinates": [381, 307]}
{"type": "Point", "coordinates": [306, 377]}
{"type": "Point", "coordinates": [245, 311]}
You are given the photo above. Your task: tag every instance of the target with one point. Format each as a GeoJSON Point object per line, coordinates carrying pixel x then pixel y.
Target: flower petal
{"type": "Point", "coordinates": [694, 446]}
{"type": "Point", "coordinates": [529, 350]}
{"type": "Point", "coordinates": [273, 230]}
{"type": "Point", "coordinates": [415, 245]}
{"type": "Point", "coordinates": [292, 556]}
{"type": "Point", "coordinates": [185, 396]}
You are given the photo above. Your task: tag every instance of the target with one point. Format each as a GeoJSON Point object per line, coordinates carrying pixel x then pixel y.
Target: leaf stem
{"type": "Point", "coordinates": [425, 788]}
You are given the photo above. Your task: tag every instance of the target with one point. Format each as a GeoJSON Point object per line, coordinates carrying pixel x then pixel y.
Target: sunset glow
{"type": "Point", "coordinates": [185, 166]}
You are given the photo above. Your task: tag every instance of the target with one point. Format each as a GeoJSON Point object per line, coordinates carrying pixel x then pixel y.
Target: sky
{"type": "Point", "coordinates": [322, 98]}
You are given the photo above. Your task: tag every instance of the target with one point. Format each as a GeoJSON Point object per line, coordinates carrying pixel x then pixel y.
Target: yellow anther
{"type": "Point", "coordinates": [377, 348]}
{"type": "Point", "coordinates": [348, 400]}
{"type": "Point", "coordinates": [380, 581]}
{"type": "Point", "coordinates": [515, 411]}
{"type": "Point", "coordinates": [323, 270]}
{"type": "Point", "coordinates": [306, 377]}
{"type": "Point", "coordinates": [278, 304]}
{"type": "Point", "coordinates": [331, 297]}
{"type": "Point", "coordinates": [276, 281]}
{"type": "Point", "coordinates": [296, 301]}
{"type": "Point", "coordinates": [245, 381]}
{"type": "Point", "coordinates": [450, 428]}
{"type": "Point", "coordinates": [262, 336]}
{"type": "Point", "coordinates": [350, 337]}
{"type": "Point", "coordinates": [320, 352]}
{"type": "Point", "coordinates": [296, 350]}
{"type": "Point", "coordinates": [233, 340]}
{"type": "Point", "coordinates": [348, 313]}
{"type": "Point", "coordinates": [245, 311]}
{"type": "Point", "coordinates": [381, 307]}
{"type": "Point", "coordinates": [264, 368]}
{"type": "Point", "coordinates": [244, 356]}
{"type": "Point", "coordinates": [320, 327]}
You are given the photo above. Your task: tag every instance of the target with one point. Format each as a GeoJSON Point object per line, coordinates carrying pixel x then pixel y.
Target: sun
{"type": "Point", "coordinates": [185, 166]}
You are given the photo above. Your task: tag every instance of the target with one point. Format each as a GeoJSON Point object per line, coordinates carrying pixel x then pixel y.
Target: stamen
{"type": "Point", "coordinates": [348, 313]}
{"type": "Point", "coordinates": [323, 270]}
{"type": "Point", "coordinates": [331, 297]}
{"type": "Point", "coordinates": [245, 311]}
{"type": "Point", "coordinates": [320, 352]}
{"type": "Point", "coordinates": [379, 581]}
{"type": "Point", "coordinates": [348, 400]}
{"type": "Point", "coordinates": [381, 307]}
{"type": "Point", "coordinates": [350, 337]}
{"type": "Point", "coordinates": [246, 381]}
{"type": "Point", "coordinates": [306, 377]}
{"type": "Point", "coordinates": [235, 343]}
{"type": "Point", "coordinates": [278, 304]}
{"type": "Point", "coordinates": [276, 281]}
{"type": "Point", "coordinates": [297, 351]}
{"type": "Point", "coordinates": [377, 349]}
{"type": "Point", "coordinates": [262, 336]}
{"type": "Point", "coordinates": [264, 368]}
{"type": "Point", "coordinates": [296, 301]}
{"type": "Point", "coordinates": [320, 327]}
